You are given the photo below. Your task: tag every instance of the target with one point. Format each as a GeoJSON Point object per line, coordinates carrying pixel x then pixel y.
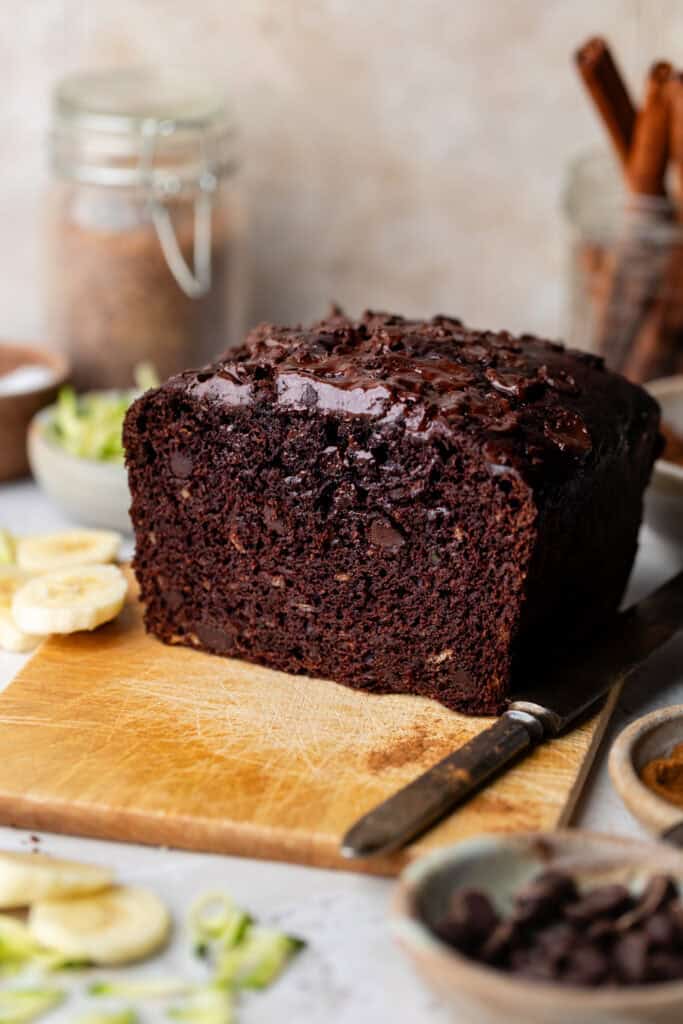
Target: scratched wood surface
{"type": "Point", "coordinates": [112, 734]}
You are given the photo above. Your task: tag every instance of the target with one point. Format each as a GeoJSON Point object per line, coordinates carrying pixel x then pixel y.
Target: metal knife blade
{"type": "Point", "coordinates": [548, 704]}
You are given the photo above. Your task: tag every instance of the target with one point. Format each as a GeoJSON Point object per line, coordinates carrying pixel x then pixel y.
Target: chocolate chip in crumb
{"type": "Point", "coordinates": [384, 535]}
{"type": "Point", "coordinates": [181, 465]}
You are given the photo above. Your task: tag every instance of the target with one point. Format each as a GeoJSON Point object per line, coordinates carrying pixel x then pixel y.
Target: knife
{"type": "Point", "coordinates": [552, 701]}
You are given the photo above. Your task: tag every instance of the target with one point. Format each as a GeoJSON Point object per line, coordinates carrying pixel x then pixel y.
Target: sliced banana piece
{"type": "Point", "coordinates": [10, 579]}
{"type": "Point", "coordinates": [70, 600]}
{"type": "Point", "coordinates": [48, 551]}
{"type": "Point", "coordinates": [27, 877]}
{"type": "Point", "coordinates": [12, 638]}
{"type": "Point", "coordinates": [7, 547]}
{"type": "Point", "coordinates": [112, 927]}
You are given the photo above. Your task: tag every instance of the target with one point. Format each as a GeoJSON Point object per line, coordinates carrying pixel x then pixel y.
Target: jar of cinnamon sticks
{"type": "Point", "coordinates": [626, 215]}
{"type": "Point", "coordinates": [146, 225]}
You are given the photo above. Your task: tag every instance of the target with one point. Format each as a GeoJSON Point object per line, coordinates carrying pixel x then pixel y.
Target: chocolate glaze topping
{"type": "Point", "coordinates": [522, 399]}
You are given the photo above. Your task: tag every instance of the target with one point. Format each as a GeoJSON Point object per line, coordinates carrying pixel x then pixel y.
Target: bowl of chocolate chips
{"type": "Point", "coordinates": [569, 927]}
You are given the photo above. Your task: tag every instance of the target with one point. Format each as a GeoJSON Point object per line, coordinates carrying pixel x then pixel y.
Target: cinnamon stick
{"type": "Point", "coordinates": [649, 154]}
{"type": "Point", "coordinates": [659, 345]}
{"type": "Point", "coordinates": [675, 96]}
{"type": "Point", "coordinates": [609, 94]}
{"type": "Point", "coordinates": [642, 271]}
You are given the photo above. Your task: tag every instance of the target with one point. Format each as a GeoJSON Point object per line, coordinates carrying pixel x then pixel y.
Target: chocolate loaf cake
{"type": "Point", "coordinates": [397, 505]}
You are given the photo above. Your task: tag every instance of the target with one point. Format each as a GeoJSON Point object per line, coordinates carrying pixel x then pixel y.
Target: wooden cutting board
{"type": "Point", "coordinates": [112, 734]}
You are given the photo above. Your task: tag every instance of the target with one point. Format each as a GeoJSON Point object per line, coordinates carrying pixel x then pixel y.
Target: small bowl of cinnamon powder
{"type": "Point", "coordinates": [646, 767]}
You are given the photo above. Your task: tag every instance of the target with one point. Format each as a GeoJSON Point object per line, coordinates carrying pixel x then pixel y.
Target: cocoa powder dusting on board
{"type": "Point", "coordinates": [410, 747]}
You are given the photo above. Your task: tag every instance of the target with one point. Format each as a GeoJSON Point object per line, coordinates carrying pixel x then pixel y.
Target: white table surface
{"type": "Point", "coordinates": [351, 972]}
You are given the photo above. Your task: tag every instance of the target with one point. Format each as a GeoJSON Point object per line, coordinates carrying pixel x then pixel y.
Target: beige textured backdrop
{"type": "Point", "coordinates": [400, 153]}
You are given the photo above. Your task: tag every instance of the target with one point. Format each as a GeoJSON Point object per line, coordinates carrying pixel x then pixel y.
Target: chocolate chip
{"type": "Point", "coordinates": [173, 598]}
{"type": "Point", "coordinates": [586, 965]}
{"type": "Point", "coordinates": [601, 930]}
{"type": "Point", "coordinates": [660, 929]}
{"type": "Point", "coordinates": [605, 901]}
{"type": "Point", "coordinates": [534, 963]}
{"type": "Point", "coordinates": [557, 940]}
{"type": "Point", "coordinates": [559, 380]}
{"type": "Point", "coordinates": [512, 382]}
{"type": "Point", "coordinates": [666, 966]}
{"type": "Point", "coordinates": [213, 638]}
{"type": "Point", "coordinates": [499, 942]}
{"type": "Point", "coordinates": [536, 968]}
{"type": "Point", "coordinates": [272, 521]}
{"type": "Point", "coordinates": [539, 900]}
{"type": "Point", "coordinates": [181, 465]}
{"type": "Point", "coordinates": [630, 957]}
{"type": "Point", "coordinates": [659, 891]}
{"type": "Point", "coordinates": [470, 919]}
{"type": "Point", "coordinates": [568, 432]}
{"type": "Point", "coordinates": [676, 913]}
{"type": "Point", "coordinates": [384, 535]}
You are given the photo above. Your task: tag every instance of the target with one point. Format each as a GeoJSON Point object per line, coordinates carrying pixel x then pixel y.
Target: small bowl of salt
{"type": "Point", "coordinates": [29, 380]}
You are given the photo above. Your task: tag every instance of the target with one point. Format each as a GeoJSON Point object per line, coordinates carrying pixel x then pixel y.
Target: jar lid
{"type": "Point", "coordinates": [140, 126]}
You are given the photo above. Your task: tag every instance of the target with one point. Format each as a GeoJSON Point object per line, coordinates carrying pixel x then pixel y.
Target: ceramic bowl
{"type": "Point", "coordinates": [479, 994]}
{"type": "Point", "coordinates": [91, 493]}
{"type": "Point", "coordinates": [664, 497]}
{"type": "Point", "coordinates": [649, 737]}
{"type": "Point", "coordinates": [17, 410]}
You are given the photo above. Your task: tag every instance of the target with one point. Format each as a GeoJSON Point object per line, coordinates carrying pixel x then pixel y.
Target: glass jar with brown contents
{"type": "Point", "coordinates": [625, 272]}
{"type": "Point", "coordinates": [146, 225]}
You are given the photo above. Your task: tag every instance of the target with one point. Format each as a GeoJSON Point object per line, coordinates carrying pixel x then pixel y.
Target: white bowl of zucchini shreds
{"type": "Point", "coordinates": [76, 453]}
{"type": "Point", "coordinates": [62, 922]}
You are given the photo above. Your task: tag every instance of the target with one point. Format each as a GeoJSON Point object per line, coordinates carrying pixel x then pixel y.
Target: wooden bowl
{"type": "Point", "coordinates": [649, 737]}
{"type": "Point", "coordinates": [17, 411]}
{"type": "Point", "coordinates": [479, 994]}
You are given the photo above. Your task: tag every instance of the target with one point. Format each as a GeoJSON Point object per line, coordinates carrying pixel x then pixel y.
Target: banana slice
{"type": "Point", "coordinates": [7, 546]}
{"type": "Point", "coordinates": [112, 927]}
{"type": "Point", "coordinates": [48, 551]}
{"type": "Point", "coordinates": [70, 600]}
{"type": "Point", "coordinates": [27, 877]}
{"type": "Point", "coordinates": [12, 638]}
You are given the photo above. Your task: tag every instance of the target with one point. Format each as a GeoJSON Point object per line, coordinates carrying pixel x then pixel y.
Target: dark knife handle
{"type": "Point", "coordinates": [432, 795]}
